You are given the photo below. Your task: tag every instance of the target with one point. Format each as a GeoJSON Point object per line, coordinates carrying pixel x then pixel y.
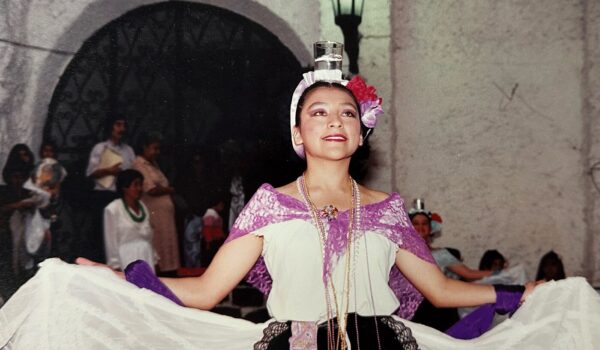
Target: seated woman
{"type": "Point", "coordinates": [550, 268]}
{"type": "Point", "coordinates": [450, 265]}
{"type": "Point", "coordinates": [127, 230]}
{"type": "Point", "coordinates": [341, 263]}
{"type": "Point", "coordinates": [501, 272]}
{"type": "Point", "coordinates": [492, 260]}
{"type": "Point", "coordinates": [427, 314]}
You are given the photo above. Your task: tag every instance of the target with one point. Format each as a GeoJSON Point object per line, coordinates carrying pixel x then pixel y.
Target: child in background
{"type": "Point", "coordinates": [212, 225]}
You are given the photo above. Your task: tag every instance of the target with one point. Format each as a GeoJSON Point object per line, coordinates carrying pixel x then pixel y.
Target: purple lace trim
{"type": "Point", "coordinates": [387, 217]}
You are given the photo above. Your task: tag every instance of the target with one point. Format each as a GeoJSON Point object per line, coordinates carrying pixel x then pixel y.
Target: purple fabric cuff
{"type": "Point", "coordinates": [141, 274]}
{"type": "Point", "coordinates": [508, 298]}
{"type": "Point", "coordinates": [480, 320]}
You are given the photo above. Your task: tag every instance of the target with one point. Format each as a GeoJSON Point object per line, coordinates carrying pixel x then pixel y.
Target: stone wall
{"type": "Point", "coordinates": [374, 65]}
{"type": "Point", "coordinates": [493, 104]}
{"type": "Point", "coordinates": [591, 130]}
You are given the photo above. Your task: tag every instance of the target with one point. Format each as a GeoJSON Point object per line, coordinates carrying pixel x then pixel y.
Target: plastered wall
{"type": "Point", "coordinates": [493, 105]}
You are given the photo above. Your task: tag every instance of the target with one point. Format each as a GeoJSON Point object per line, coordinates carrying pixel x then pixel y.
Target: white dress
{"type": "Point", "coordinates": [298, 292]}
{"type": "Point", "coordinates": [79, 307]}
{"type": "Point", "coordinates": [127, 240]}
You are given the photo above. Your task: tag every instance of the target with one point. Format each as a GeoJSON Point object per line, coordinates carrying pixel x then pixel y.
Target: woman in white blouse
{"type": "Point", "coordinates": [127, 230]}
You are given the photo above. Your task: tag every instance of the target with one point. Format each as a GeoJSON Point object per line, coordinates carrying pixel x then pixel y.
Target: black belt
{"type": "Point", "coordinates": [374, 332]}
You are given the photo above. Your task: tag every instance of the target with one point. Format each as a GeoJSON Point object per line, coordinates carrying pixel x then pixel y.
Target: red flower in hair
{"type": "Point", "coordinates": [362, 91]}
{"type": "Point", "coordinates": [370, 103]}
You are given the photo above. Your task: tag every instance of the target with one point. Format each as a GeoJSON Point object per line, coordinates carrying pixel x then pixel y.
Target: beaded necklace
{"type": "Point", "coordinates": [132, 215]}
{"type": "Point", "coordinates": [342, 317]}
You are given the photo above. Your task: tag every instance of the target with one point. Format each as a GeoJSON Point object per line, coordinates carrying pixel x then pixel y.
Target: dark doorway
{"type": "Point", "coordinates": [206, 78]}
{"type": "Point", "coordinates": [198, 74]}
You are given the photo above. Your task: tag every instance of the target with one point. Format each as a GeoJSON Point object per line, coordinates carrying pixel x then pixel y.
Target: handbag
{"type": "Point", "coordinates": [37, 234]}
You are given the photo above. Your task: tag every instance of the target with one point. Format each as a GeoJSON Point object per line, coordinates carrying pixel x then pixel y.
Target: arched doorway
{"type": "Point", "coordinates": [204, 77]}
{"type": "Point", "coordinates": [198, 74]}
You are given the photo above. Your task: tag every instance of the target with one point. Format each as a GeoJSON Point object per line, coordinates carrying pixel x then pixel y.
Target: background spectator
{"type": "Point", "coordinates": [492, 260]}
{"type": "Point", "coordinates": [213, 234]}
{"type": "Point", "coordinates": [127, 230]}
{"type": "Point", "coordinates": [157, 197]}
{"type": "Point", "coordinates": [48, 149]}
{"type": "Point", "coordinates": [107, 158]}
{"type": "Point", "coordinates": [191, 187]}
{"type": "Point", "coordinates": [15, 172]}
{"type": "Point", "coordinates": [44, 186]}
{"type": "Point", "coordinates": [550, 267]}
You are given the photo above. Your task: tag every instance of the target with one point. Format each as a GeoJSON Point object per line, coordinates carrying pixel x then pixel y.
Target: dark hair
{"type": "Point", "coordinates": [488, 258]}
{"type": "Point", "coordinates": [110, 122]}
{"type": "Point", "coordinates": [147, 138]}
{"type": "Point", "coordinates": [455, 252]}
{"type": "Point", "coordinates": [215, 196]}
{"type": "Point", "coordinates": [215, 191]}
{"type": "Point", "coordinates": [14, 162]}
{"type": "Point", "coordinates": [47, 142]}
{"type": "Point", "coordinates": [125, 178]}
{"type": "Point", "coordinates": [551, 258]}
{"type": "Point", "coordinates": [328, 84]}
{"type": "Point", "coordinates": [425, 214]}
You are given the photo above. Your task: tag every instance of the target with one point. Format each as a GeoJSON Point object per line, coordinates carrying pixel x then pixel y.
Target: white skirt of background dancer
{"type": "Point", "coordinates": [79, 307]}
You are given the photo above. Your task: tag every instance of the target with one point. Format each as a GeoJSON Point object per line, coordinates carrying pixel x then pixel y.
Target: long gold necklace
{"type": "Point", "coordinates": [342, 316]}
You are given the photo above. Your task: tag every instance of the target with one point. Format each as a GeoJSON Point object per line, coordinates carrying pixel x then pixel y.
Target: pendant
{"type": "Point", "coordinates": [329, 212]}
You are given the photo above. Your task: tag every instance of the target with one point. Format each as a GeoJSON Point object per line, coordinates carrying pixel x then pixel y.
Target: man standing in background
{"type": "Point", "coordinates": [107, 159]}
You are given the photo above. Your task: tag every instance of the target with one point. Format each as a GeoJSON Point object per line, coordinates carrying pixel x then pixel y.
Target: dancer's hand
{"type": "Point", "coordinates": [529, 287]}
{"type": "Point", "coordinates": [88, 262]}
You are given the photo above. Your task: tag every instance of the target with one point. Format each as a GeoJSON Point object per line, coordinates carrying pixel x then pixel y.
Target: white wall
{"type": "Point", "coordinates": [490, 124]}
{"type": "Point", "coordinates": [591, 144]}
{"type": "Point", "coordinates": [374, 66]}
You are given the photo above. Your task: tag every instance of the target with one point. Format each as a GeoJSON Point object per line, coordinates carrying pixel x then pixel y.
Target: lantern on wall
{"type": "Point", "coordinates": [348, 15]}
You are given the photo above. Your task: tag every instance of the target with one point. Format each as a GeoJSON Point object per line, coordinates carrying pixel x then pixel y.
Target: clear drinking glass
{"type": "Point", "coordinates": [419, 204]}
{"type": "Point", "coordinates": [328, 55]}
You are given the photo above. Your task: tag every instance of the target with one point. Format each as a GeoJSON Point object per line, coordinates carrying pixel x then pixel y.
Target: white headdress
{"type": "Point", "coordinates": [328, 68]}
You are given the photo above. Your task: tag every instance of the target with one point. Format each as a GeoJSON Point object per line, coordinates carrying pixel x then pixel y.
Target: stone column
{"type": "Point", "coordinates": [15, 68]}
{"type": "Point", "coordinates": [591, 139]}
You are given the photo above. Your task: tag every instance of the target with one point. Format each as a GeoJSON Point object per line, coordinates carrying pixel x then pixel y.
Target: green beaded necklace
{"type": "Point", "coordinates": [132, 215]}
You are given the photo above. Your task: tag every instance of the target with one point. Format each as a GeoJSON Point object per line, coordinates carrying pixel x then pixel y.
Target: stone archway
{"type": "Point", "coordinates": [48, 37]}
{"type": "Point", "coordinates": [205, 77]}
{"type": "Point", "coordinates": [199, 74]}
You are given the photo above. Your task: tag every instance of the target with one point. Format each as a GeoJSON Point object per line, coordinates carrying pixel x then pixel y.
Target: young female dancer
{"type": "Point", "coordinates": [339, 262]}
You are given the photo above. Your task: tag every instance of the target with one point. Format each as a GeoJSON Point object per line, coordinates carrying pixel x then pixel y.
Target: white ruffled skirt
{"type": "Point", "coordinates": [79, 307]}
